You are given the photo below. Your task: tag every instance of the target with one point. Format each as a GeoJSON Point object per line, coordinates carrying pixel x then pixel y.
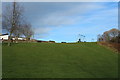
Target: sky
{"type": "Point", "coordinates": [64, 21]}
{"type": "Point", "coordinates": [60, 0]}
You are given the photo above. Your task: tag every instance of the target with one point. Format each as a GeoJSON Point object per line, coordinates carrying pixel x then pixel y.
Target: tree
{"type": "Point", "coordinates": [99, 38]}
{"type": "Point", "coordinates": [106, 36]}
{"type": "Point", "coordinates": [12, 19]}
{"type": "Point", "coordinates": [113, 32]}
{"type": "Point", "coordinates": [27, 31]}
{"type": "Point", "coordinates": [0, 23]}
{"type": "Point", "coordinates": [112, 35]}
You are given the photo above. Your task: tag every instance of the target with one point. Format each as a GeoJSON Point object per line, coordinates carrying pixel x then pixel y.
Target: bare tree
{"type": "Point", "coordinates": [106, 36]}
{"type": "Point", "coordinates": [12, 17]}
{"type": "Point", "coordinates": [0, 22]}
{"type": "Point", "coordinates": [27, 31]}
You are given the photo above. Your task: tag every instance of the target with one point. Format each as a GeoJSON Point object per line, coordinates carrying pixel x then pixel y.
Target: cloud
{"type": "Point", "coordinates": [41, 30]}
{"type": "Point", "coordinates": [90, 25]}
{"type": "Point", "coordinates": [92, 18]}
{"type": "Point", "coordinates": [68, 16]}
{"type": "Point", "coordinates": [99, 22]}
{"type": "Point", "coordinates": [103, 17]}
{"type": "Point", "coordinates": [84, 18]}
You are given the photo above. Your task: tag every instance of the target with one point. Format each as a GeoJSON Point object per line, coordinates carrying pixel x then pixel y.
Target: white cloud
{"type": "Point", "coordinates": [93, 25]}
{"type": "Point", "coordinates": [99, 20]}
{"type": "Point", "coordinates": [41, 30]}
{"type": "Point", "coordinates": [102, 16]}
{"type": "Point", "coordinates": [69, 16]}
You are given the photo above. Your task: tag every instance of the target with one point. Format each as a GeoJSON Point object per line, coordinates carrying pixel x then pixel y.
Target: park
{"type": "Point", "coordinates": [59, 60]}
{"type": "Point", "coordinates": [60, 40]}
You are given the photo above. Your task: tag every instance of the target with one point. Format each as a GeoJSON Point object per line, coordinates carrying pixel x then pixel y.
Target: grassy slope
{"type": "Point", "coordinates": [49, 60]}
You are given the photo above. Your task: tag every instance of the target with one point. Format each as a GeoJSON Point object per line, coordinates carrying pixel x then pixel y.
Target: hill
{"type": "Point", "coordinates": [53, 60]}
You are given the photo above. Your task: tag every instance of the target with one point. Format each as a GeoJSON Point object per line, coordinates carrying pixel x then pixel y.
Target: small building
{"type": "Point", "coordinates": [4, 37]}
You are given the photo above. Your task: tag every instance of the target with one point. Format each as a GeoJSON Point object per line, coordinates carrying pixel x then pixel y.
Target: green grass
{"type": "Point", "coordinates": [52, 60]}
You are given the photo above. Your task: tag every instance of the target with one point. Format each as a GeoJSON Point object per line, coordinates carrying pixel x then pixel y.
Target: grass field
{"type": "Point", "coordinates": [52, 60]}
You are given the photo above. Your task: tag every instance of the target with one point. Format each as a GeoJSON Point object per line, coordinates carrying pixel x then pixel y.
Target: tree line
{"type": "Point", "coordinates": [112, 35]}
{"type": "Point", "coordinates": [15, 23]}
